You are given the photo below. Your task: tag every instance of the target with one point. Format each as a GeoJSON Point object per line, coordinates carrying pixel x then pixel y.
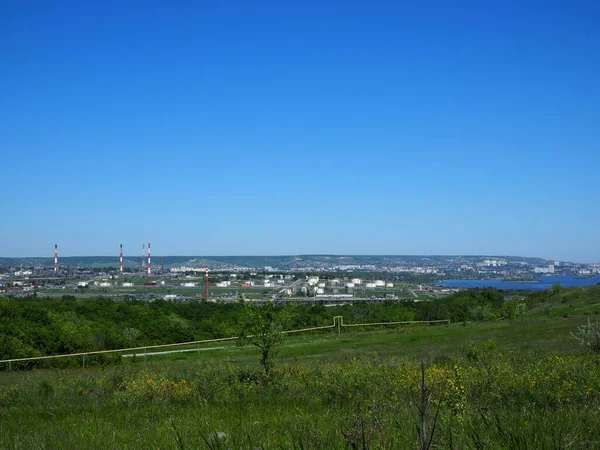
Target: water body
{"type": "Point", "coordinates": [544, 282]}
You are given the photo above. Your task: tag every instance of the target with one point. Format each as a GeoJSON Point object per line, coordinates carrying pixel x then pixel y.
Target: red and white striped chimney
{"type": "Point", "coordinates": [148, 258]}
{"type": "Point", "coordinates": [121, 258]}
{"type": "Point", "coordinates": [55, 258]}
{"type": "Point", "coordinates": [206, 285]}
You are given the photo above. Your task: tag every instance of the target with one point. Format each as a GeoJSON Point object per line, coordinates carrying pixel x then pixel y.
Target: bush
{"type": "Point", "coordinates": [589, 336]}
{"type": "Point", "coordinates": [154, 386]}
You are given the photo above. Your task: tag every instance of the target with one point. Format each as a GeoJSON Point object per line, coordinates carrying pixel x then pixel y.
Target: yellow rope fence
{"type": "Point", "coordinates": [338, 321]}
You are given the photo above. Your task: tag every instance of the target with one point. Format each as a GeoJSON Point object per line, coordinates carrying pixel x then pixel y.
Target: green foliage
{"type": "Point", "coordinates": [556, 289]}
{"type": "Point", "coordinates": [559, 301]}
{"type": "Point", "coordinates": [263, 327]}
{"type": "Point", "coordinates": [41, 326]}
{"type": "Point", "coordinates": [531, 401]}
{"type": "Point", "coordinates": [468, 305]}
{"type": "Point", "coordinates": [589, 336]}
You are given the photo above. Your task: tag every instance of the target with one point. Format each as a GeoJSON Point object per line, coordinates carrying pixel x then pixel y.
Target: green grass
{"type": "Point", "coordinates": [507, 384]}
{"type": "Point", "coordinates": [570, 303]}
{"type": "Point", "coordinates": [536, 335]}
{"type": "Point", "coordinates": [543, 334]}
{"type": "Point", "coordinates": [329, 391]}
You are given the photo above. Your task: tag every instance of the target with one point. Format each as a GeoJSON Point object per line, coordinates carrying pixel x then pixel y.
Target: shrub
{"type": "Point", "coordinates": [264, 328]}
{"type": "Point", "coordinates": [589, 336]}
{"type": "Point", "coordinates": [151, 386]}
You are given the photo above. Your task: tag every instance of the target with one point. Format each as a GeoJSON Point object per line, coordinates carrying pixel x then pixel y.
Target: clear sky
{"type": "Point", "coordinates": [241, 128]}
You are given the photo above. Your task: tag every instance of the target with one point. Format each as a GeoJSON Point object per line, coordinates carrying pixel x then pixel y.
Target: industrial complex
{"type": "Point", "coordinates": [323, 279]}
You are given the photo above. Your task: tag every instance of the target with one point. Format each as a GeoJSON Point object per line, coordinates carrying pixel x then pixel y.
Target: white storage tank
{"type": "Point", "coordinates": [379, 283]}
{"type": "Point", "coordinates": [313, 280]}
{"type": "Point", "coordinates": [356, 280]}
{"type": "Point", "coordinates": [349, 285]}
{"type": "Point", "coordinates": [320, 291]}
{"type": "Point", "coordinates": [370, 285]}
{"type": "Point", "coordinates": [321, 284]}
{"type": "Point", "coordinates": [389, 285]}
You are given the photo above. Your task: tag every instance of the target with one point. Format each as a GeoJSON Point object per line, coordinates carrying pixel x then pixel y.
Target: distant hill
{"type": "Point", "coordinates": [284, 261]}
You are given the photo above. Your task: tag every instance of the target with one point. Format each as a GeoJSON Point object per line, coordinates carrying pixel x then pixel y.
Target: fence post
{"type": "Point", "coordinates": [145, 354]}
{"type": "Point", "coordinates": [84, 361]}
{"type": "Point", "coordinates": [337, 320]}
{"type": "Point", "coordinates": [9, 366]}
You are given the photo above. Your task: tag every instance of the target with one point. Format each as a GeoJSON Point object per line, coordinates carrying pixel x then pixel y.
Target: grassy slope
{"type": "Point", "coordinates": [56, 410]}
{"type": "Point", "coordinates": [542, 334]}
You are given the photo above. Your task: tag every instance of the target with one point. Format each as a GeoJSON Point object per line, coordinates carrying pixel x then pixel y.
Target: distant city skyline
{"type": "Point", "coordinates": [273, 128]}
{"type": "Point", "coordinates": [143, 254]}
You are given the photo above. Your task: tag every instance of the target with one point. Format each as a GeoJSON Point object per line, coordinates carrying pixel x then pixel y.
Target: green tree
{"type": "Point", "coordinates": [557, 288]}
{"type": "Point", "coordinates": [263, 327]}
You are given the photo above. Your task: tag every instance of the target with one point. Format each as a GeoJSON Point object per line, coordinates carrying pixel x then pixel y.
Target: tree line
{"type": "Point", "coordinates": [43, 326]}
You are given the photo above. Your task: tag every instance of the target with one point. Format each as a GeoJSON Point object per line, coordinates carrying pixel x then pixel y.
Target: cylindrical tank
{"type": "Point", "coordinates": [389, 285]}
{"type": "Point", "coordinates": [379, 283]}
{"type": "Point", "coordinates": [321, 284]}
{"type": "Point", "coordinates": [356, 280]}
{"type": "Point", "coordinates": [370, 285]}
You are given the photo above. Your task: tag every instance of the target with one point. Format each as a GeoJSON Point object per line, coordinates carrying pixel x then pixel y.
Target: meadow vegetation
{"type": "Point", "coordinates": [35, 327]}
{"type": "Point", "coordinates": [493, 379]}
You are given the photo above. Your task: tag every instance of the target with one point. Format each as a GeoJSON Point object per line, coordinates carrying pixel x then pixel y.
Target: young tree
{"type": "Point", "coordinates": [263, 328]}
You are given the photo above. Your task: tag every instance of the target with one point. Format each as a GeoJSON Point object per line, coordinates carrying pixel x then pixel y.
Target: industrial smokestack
{"type": "Point", "coordinates": [206, 285]}
{"type": "Point", "coordinates": [148, 258]}
{"type": "Point", "coordinates": [55, 258]}
{"type": "Point", "coordinates": [121, 258]}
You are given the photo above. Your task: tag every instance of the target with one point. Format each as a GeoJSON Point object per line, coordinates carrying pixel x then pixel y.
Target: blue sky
{"type": "Point", "coordinates": [239, 128]}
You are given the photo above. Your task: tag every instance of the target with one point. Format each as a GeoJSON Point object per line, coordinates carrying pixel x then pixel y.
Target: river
{"type": "Point", "coordinates": [544, 282]}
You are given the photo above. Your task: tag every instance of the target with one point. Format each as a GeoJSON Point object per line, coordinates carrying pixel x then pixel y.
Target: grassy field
{"type": "Point", "coordinates": [519, 384]}
{"type": "Point", "coordinates": [538, 336]}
